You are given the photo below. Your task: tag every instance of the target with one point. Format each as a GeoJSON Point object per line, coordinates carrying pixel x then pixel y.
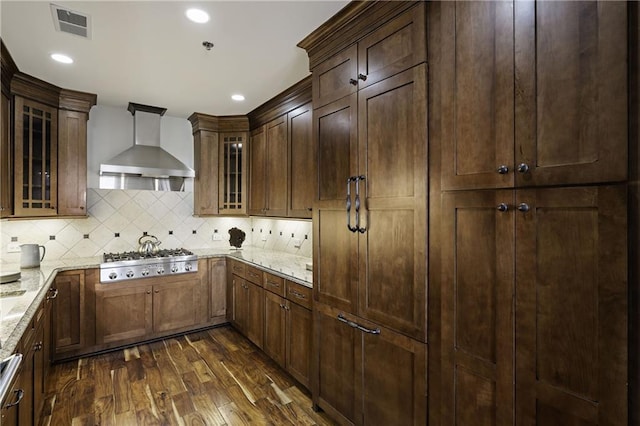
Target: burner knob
{"type": "Point", "coordinates": [145, 272]}
{"type": "Point", "coordinates": [129, 274]}
{"type": "Point", "coordinates": [113, 276]}
{"type": "Point", "coordinates": [160, 271]}
{"type": "Point", "coordinates": [187, 267]}
{"type": "Point", "coordinates": [174, 269]}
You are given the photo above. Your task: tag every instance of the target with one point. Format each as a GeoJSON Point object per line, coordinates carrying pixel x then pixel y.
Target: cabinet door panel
{"type": "Point", "coordinates": [336, 141]}
{"type": "Point", "coordinates": [239, 317]}
{"type": "Point", "coordinates": [205, 184]}
{"type": "Point", "coordinates": [72, 163]}
{"type": "Point", "coordinates": [476, 70]}
{"type": "Point", "coordinates": [394, 378]}
{"type": "Point", "coordinates": [299, 328]}
{"type": "Point", "coordinates": [393, 159]}
{"type": "Point", "coordinates": [35, 150]}
{"type": "Point", "coordinates": [571, 92]}
{"type": "Point", "coordinates": [232, 173]}
{"type": "Point", "coordinates": [217, 289]}
{"type": "Point", "coordinates": [258, 172]}
{"type": "Point", "coordinates": [6, 162]}
{"type": "Point", "coordinates": [571, 304]}
{"type": "Point", "coordinates": [68, 311]}
{"type": "Point", "coordinates": [332, 78]}
{"type": "Point", "coordinates": [123, 313]}
{"type": "Point", "coordinates": [255, 314]}
{"type": "Point", "coordinates": [176, 305]}
{"type": "Point", "coordinates": [277, 170]}
{"type": "Point", "coordinates": [396, 46]}
{"type": "Point", "coordinates": [334, 359]}
{"type": "Point", "coordinates": [335, 271]}
{"type": "Point", "coordinates": [302, 176]}
{"type": "Point", "coordinates": [274, 327]}
{"type": "Point", "coordinates": [477, 308]}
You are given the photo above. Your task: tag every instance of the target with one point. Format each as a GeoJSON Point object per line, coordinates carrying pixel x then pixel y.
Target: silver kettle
{"type": "Point", "coordinates": [150, 245]}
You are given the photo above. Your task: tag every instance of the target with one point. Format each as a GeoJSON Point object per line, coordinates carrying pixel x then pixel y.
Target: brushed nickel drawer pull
{"type": "Point", "coordinates": [351, 324]}
{"type": "Point", "coordinates": [298, 295]}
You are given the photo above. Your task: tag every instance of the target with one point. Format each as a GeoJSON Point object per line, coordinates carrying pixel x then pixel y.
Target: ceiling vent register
{"type": "Point", "coordinates": [72, 22]}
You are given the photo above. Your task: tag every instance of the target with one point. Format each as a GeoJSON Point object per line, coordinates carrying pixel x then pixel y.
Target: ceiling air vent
{"type": "Point", "coordinates": [70, 21]}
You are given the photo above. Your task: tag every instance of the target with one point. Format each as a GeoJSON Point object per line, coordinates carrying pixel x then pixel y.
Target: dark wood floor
{"type": "Point", "coordinates": [214, 377]}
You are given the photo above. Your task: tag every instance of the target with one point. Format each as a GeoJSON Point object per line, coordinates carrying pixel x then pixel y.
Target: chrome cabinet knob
{"type": "Point", "coordinates": [523, 168]}
{"type": "Point", "coordinates": [353, 81]}
{"type": "Point", "coordinates": [503, 170]}
{"type": "Point", "coordinates": [362, 77]}
{"type": "Point", "coordinates": [502, 207]}
{"type": "Point", "coordinates": [523, 207]}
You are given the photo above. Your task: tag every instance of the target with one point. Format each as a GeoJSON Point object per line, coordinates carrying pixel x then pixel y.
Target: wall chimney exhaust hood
{"type": "Point", "coordinates": [145, 165]}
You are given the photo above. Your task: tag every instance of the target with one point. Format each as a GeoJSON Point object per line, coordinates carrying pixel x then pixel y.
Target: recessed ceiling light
{"type": "Point", "coordinates": [237, 97]}
{"type": "Point", "coordinates": [61, 58]}
{"type": "Point", "coordinates": [197, 15]}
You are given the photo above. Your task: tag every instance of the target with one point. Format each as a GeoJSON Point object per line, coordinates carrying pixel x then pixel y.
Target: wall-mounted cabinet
{"type": "Point", "coordinates": [220, 156]}
{"type": "Point", "coordinates": [48, 147]}
{"type": "Point", "coordinates": [282, 167]}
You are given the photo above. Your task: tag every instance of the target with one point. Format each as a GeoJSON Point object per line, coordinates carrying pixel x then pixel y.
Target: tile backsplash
{"type": "Point", "coordinates": [117, 218]}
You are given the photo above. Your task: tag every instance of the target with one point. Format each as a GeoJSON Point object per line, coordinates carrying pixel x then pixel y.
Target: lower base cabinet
{"type": "Point", "coordinates": [367, 375]}
{"type": "Point", "coordinates": [248, 309]}
{"type": "Point", "coordinates": [141, 309]}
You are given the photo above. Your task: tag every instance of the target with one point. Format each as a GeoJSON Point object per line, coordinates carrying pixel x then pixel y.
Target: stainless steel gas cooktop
{"type": "Point", "coordinates": [132, 265]}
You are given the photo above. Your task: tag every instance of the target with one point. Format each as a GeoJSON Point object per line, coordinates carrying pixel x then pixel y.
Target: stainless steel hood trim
{"type": "Point", "coordinates": [145, 159]}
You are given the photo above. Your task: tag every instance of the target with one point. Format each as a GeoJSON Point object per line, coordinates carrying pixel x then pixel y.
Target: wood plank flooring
{"type": "Point", "coordinates": [213, 377]}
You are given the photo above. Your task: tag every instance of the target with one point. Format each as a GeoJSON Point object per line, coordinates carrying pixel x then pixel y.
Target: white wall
{"type": "Point", "coordinates": [110, 131]}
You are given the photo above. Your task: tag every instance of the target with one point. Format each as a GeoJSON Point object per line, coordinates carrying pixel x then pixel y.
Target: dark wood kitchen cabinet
{"type": "Point", "coordinates": [73, 114]}
{"type": "Point", "coordinates": [8, 69]}
{"type": "Point", "coordinates": [353, 272]}
{"type": "Point", "coordinates": [274, 327]}
{"type": "Point", "coordinates": [248, 309]}
{"type": "Point", "coordinates": [220, 158]}
{"type": "Point", "coordinates": [50, 142]}
{"type": "Point", "coordinates": [532, 97]}
{"type": "Point", "coordinates": [301, 177]}
{"type": "Point", "coordinates": [6, 171]}
{"type": "Point", "coordinates": [369, 217]}
{"type": "Point", "coordinates": [535, 279]}
{"type": "Point", "coordinates": [137, 310]}
{"type": "Point", "coordinates": [269, 171]}
{"type": "Point", "coordinates": [217, 290]}
{"type": "Point", "coordinates": [35, 148]}
{"type": "Point", "coordinates": [367, 377]}
{"type": "Point", "coordinates": [73, 312]}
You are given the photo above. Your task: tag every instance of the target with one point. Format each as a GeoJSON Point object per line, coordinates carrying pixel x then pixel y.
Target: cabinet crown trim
{"type": "Point", "coordinates": [285, 101]}
{"type": "Point", "coordinates": [72, 100]}
{"type": "Point", "coordinates": [212, 123]}
{"type": "Point", "coordinates": [350, 24]}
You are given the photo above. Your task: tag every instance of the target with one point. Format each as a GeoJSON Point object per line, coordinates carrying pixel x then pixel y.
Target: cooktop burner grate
{"type": "Point", "coordinates": [134, 255]}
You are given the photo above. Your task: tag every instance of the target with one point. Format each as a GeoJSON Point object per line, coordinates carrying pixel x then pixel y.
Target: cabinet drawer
{"type": "Point", "coordinates": [254, 275]}
{"type": "Point", "coordinates": [299, 294]}
{"type": "Point", "coordinates": [238, 268]}
{"type": "Point", "coordinates": [274, 284]}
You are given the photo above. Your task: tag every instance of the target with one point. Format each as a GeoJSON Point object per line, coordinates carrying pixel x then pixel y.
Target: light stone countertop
{"type": "Point", "coordinates": [19, 300]}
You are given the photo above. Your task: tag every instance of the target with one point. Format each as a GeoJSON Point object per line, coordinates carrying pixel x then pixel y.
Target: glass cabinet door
{"type": "Point", "coordinates": [35, 158]}
{"type": "Point", "coordinates": [232, 173]}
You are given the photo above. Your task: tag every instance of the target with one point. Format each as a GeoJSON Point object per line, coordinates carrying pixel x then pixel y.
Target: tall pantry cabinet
{"type": "Point", "coordinates": [370, 231]}
{"type": "Point", "coordinates": [528, 125]}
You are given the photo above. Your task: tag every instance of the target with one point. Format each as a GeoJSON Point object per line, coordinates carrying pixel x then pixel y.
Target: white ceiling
{"type": "Point", "coordinates": [148, 52]}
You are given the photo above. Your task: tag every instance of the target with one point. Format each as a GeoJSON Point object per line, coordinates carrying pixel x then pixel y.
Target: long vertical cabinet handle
{"type": "Point", "coordinates": [349, 227]}
{"type": "Point", "coordinates": [359, 228]}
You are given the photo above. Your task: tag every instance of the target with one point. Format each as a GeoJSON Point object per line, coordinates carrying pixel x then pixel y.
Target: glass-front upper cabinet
{"type": "Point", "coordinates": [35, 158]}
{"type": "Point", "coordinates": [233, 173]}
